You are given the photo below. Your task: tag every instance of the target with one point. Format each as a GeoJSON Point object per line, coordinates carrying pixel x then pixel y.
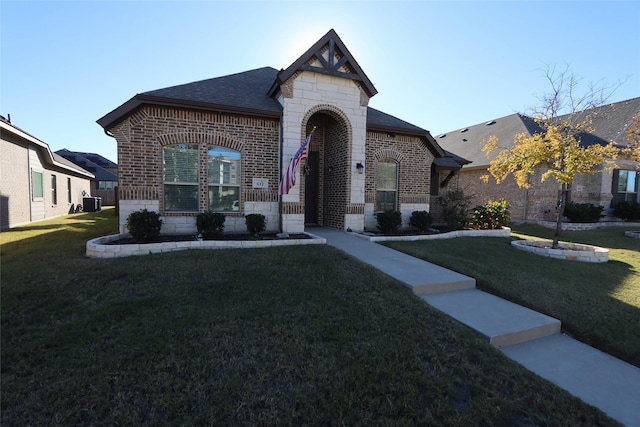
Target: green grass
{"type": "Point", "coordinates": [598, 304]}
{"type": "Point", "coordinates": [281, 336]}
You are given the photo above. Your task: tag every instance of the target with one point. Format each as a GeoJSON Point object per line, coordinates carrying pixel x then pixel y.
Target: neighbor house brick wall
{"type": "Point", "coordinates": [538, 202]}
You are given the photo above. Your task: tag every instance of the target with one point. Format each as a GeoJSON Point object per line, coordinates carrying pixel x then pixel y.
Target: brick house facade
{"type": "Point", "coordinates": [538, 203]}
{"type": "Point", "coordinates": [247, 127]}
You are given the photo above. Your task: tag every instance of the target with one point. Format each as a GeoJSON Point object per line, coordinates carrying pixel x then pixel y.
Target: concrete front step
{"type": "Point", "coordinates": [420, 276]}
{"type": "Point", "coordinates": [501, 322]}
{"type": "Point", "coordinates": [596, 377]}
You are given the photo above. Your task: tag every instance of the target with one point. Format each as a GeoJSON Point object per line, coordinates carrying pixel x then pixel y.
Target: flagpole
{"type": "Point", "coordinates": [288, 176]}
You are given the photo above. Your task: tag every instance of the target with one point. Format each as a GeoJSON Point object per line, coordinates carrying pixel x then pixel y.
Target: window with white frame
{"type": "Point", "coordinates": [37, 187]}
{"type": "Point", "coordinates": [180, 177]}
{"type": "Point", "coordinates": [387, 185]}
{"type": "Point", "coordinates": [223, 179]}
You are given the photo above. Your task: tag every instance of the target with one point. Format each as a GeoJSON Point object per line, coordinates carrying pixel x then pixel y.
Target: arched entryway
{"type": "Point", "coordinates": [327, 176]}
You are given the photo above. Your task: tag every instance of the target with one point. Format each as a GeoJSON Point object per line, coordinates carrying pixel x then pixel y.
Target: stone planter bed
{"type": "Point", "coordinates": [504, 232]}
{"type": "Point", "coordinates": [633, 234]}
{"type": "Point", "coordinates": [118, 245]}
{"type": "Point", "coordinates": [585, 226]}
{"type": "Point", "coordinates": [567, 251]}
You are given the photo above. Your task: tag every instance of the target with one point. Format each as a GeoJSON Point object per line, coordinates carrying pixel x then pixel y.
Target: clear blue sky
{"type": "Point", "coordinates": [438, 65]}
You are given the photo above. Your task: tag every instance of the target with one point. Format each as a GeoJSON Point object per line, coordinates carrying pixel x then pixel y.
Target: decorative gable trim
{"type": "Point", "coordinates": [331, 57]}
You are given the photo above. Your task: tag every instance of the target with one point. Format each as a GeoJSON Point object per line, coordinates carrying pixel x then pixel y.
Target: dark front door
{"type": "Point", "coordinates": [311, 189]}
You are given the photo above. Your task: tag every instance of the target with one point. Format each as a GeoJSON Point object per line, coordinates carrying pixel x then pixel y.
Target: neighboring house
{"type": "Point", "coordinates": [105, 171]}
{"type": "Point", "coordinates": [35, 184]}
{"type": "Point", "coordinates": [606, 188]}
{"type": "Point", "coordinates": [222, 144]}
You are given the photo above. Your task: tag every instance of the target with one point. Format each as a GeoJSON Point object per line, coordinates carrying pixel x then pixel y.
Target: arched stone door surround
{"type": "Point", "coordinates": [326, 179]}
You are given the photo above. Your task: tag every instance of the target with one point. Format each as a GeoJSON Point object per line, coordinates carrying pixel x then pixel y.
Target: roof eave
{"type": "Point", "coordinates": [109, 120]}
{"type": "Point", "coordinates": [430, 142]}
{"type": "Point", "coordinates": [45, 149]}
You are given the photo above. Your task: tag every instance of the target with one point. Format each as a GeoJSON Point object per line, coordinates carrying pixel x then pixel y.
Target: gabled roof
{"type": "Point", "coordinates": [331, 57]}
{"type": "Point", "coordinates": [96, 158]}
{"type": "Point", "coordinates": [252, 92]}
{"type": "Point", "coordinates": [14, 134]}
{"type": "Point", "coordinates": [237, 93]}
{"type": "Point", "coordinates": [609, 123]}
{"type": "Point", "coordinates": [468, 141]}
{"type": "Point", "coordinates": [80, 159]}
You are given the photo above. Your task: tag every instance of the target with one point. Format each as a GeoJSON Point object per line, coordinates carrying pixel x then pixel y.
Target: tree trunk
{"type": "Point", "coordinates": [562, 196]}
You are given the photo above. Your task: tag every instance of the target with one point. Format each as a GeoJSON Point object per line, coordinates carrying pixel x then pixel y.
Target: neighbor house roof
{"type": "Point", "coordinates": [468, 141]}
{"type": "Point", "coordinates": [609, 122]}
{"type": "Point", "coordinates": [14, 134]}
{"type": "Point", "coordinates": [86, 161]}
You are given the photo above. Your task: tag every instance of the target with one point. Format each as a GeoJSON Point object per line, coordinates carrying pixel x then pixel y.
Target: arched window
{"type": "Point", "coordinates": [387, 185]}
{"type": "Point", "coordinates": [223, 179]}
{"type": "Point", "coordinates": [180, 177]}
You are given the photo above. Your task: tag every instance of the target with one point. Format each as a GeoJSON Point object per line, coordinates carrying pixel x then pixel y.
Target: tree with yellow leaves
{"type": "Point", "coordinates": [556, 151]}
{"type": "Point", "coordinates": [632, 146]}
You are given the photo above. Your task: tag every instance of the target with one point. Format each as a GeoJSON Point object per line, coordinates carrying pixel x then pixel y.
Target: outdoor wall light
{"type": "Point", "coordinates": [330, 169]}
{"type": "Point", "coordinates": [360, 168]}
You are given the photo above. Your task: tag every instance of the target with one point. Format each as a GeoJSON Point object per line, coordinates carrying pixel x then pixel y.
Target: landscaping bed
{"type": "Point", "coordinates": [598, 303]}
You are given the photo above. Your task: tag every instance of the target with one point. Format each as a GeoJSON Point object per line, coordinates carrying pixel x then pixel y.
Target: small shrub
{"type": "Point", "coordinates": [256, 223]}
{"type": "Point", "coordinates": [455, 208]}
{"type": "Point", "coordinates": [144, 225]}
{"type": "Point", "coordinates": [490, 216]}
{"type": "Point", "coordinates": [389, 221]}
{"type": "Point", "coordinates": [421, 220]}
{"type": "Point", "coordinates": [583, 212]}
{"type": "Point", "coordinates": [210, 224]}
{"type": "Point", "coordinates": [628, 211]}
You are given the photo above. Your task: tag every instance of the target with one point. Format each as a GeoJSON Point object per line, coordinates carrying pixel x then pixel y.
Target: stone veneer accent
{"type": "Point", "coordinates": [337, 108]}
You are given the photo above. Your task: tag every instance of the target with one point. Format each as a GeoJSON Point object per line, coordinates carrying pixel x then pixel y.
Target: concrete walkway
{"type": "Point", "coordinates": [530, 338]}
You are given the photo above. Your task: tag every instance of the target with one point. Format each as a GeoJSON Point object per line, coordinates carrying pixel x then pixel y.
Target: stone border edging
{"type": "Point", "coordinates": [569, 251]}
{"type": "Point", "coordinates": [504, 232]}
{"type": "Point", "coordinates": [633, 234]}
{"type": "Point", "coordinates": [584, 226]}
{"type": "Point", "coordinates": [97, 248]}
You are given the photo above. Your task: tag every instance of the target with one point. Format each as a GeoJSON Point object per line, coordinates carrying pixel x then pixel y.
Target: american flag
{"type": "Point", "coordinates": [289, 176]}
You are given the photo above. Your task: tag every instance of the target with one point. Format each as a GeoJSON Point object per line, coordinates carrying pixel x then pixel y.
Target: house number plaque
{"type": "Point", "coordinates": [261, 183]}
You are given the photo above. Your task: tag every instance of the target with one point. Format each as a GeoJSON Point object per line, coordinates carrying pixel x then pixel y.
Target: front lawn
{"type": "Point", "coordinates": [598, 304]}
{"type": "Point", "coordinates": [282, 336]}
